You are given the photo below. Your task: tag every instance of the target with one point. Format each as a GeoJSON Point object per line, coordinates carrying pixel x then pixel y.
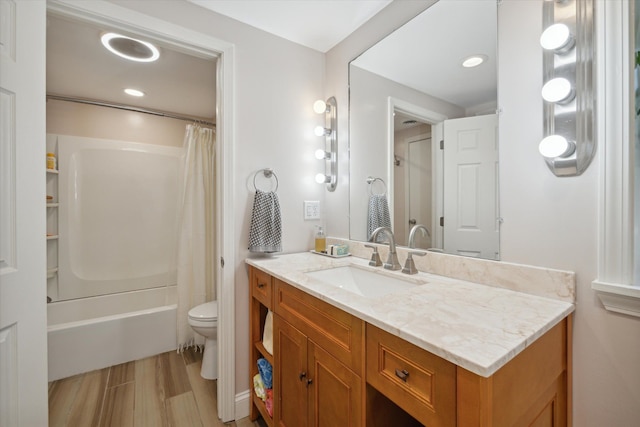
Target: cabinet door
{"type": "Point", "coordinates": [290, 374]}
{"type": "Point", "coordinates": [335, 393]}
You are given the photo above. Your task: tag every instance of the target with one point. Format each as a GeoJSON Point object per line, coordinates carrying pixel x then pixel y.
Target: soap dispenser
{"type": "Point", "coordinates": [321, 240]}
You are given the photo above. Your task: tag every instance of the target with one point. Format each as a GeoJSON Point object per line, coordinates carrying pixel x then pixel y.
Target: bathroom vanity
{"type": "Point", "coordinates": [442, 352]}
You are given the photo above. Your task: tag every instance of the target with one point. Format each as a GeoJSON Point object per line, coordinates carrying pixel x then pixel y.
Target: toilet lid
{"type": "Point", "coordinates": [208, 310]}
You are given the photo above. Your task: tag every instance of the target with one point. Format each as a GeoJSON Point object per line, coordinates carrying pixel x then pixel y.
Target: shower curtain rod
{"type": "Point", "coordinates": [131, 108]}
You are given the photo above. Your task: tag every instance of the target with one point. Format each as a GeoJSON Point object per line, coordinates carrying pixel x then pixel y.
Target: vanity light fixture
{"type": "Point", "coordinates": [330, 152]}
{"type": "Point", "coordinates": [130, 48]}
{"type": "Point", "coordinates": [568, 144]}
{"type": "Point", "coordinates": [134, 92]}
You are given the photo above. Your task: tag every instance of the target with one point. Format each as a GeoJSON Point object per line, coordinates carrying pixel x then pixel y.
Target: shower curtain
{"type": "Point", "coordinates": [196, 230]}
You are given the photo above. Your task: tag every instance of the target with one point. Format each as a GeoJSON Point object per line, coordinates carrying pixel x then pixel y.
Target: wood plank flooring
{"type": "Point", "coordinates": [163, 390]}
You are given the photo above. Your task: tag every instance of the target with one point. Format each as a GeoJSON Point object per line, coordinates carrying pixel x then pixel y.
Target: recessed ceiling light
{"type": "Point", "coordinates": [473, 61]}
{"type": "Point", "coordinates": [130, 48]}
{"type": "Point", "coordinates": [133, 92]}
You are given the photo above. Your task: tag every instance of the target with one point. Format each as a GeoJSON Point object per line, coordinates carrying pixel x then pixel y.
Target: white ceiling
{"type": "Point", "coordinates": [318, 24]}
{"type": "Point", "coordinates": [79, 66]}
{"type": "Point", "coordinates": [426, 54]}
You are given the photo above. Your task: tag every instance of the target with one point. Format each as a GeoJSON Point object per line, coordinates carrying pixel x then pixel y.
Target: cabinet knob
{"type": "Point", "coordinates": [302, 375]}
{"type": "Point", "coordinates": [261, 285]}
{"type": "Point", "coordinates": [309, 381]}
{"type": "Point", "coordinates": [402, 374]}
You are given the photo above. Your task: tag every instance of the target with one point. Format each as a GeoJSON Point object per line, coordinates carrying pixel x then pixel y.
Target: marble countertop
{"type": "Point", "coordinates": [475, 326]}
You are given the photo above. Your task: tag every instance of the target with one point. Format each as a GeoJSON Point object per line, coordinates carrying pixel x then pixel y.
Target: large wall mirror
{"type": "Point", "coordinates": [410, 95]}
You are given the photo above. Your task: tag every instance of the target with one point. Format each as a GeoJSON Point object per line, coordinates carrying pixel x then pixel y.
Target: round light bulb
{"type": "Point", "coordinates": [556, 146]}
{"type": "Point", "coordinates": [319, 106]}
{"type": "Point", "coordinates": [558, 90]}
{"type": "Point", "coordinates": [321, 178]}
{"type": "Point", "coordinates": [556, 37]}
{"type": "Point", "coordinates": [133, 92]}
{"type": "Point", "coordinates": [320, 131]}
{"type": "Point", "coordinates": [320, 154]}
{"type": "Point", "coordinates": [473, 61]}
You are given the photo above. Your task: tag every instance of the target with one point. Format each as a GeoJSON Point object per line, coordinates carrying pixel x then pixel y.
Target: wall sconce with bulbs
{"type": "Point", "coordinates": [568, 68]}
{"type": "Point", "coordinates": [330, 152]}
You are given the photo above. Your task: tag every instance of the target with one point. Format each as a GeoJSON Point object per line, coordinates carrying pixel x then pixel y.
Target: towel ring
{"type": "Point", "coordinates": [268, 173]}
{"type": "Point", "coordinates": [371, 180]}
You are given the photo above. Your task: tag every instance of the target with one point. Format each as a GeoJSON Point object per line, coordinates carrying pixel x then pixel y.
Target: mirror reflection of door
{"type": "Point", "coordinates": [413, 179]}
{"type": "Point", "coordinates": [471, 190]}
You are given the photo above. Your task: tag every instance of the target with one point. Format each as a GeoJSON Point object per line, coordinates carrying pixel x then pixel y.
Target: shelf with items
{"type": "Point", "coordinates": [51, 272]}
{"type": "Point", "coordinates": [52, 237]}
{"type": "Point", "coordinates": [260, 304]}
{"type": "Point", "coordinates": [53, 171]}
{"type": "Point", "coordinates": [53, 205]}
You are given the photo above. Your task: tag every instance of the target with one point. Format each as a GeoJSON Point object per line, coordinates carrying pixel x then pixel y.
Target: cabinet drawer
{"type": "Point", "coordinates": [336, 331]}
{"type": "Point", "coordinates": [419, 382]}
{"type": "Point", "coordinates": [261, 287]}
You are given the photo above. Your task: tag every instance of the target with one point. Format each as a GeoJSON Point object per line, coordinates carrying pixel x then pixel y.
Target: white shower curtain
{"type": "Point", "coordinates": [196, 230]}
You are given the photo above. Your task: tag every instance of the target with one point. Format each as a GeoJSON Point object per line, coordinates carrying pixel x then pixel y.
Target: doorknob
{"type": "Point", "coordinates": [412, 221]}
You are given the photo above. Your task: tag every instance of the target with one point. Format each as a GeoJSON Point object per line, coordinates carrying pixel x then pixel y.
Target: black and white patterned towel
{"type": "Point", "coordinates": [265, 232]}
{"type": "Point", "coordinates": [378, 215]}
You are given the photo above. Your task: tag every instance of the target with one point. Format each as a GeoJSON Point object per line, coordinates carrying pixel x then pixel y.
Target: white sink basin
{"type": "Point", "coordinates": [362, 281]}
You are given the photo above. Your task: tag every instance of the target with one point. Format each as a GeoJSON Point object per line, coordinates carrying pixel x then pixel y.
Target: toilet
{"type": "Point", "coordinates": [204, 321]}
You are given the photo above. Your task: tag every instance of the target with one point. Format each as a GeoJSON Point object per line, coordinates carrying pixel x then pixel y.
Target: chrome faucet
{"type": "Point", "coordinates": [412, 234]}
{"type": "Point", "coordinates": [392, 259]}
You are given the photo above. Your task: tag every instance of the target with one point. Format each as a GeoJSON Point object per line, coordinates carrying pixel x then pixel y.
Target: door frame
{"type": "Point", "coordinates": [193, 42]}
{"type": "Point", "coordinates": [407, 201]}
{"type": "Point", "coordinates": [434, 119]}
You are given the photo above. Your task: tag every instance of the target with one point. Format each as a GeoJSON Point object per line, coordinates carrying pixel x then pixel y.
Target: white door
{"type": "Point", "coordinates": [470, 187]}
{"type": "Point", "coordinates": [419, 186]}
{"type": "Point", "coordinates": [23, 311]}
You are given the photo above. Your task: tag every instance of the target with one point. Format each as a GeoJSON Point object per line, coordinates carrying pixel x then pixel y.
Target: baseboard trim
{"type": "Point", "coordinates": [243, 401]}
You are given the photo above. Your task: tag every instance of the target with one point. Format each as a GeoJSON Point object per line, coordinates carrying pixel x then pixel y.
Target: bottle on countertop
{"type": "Point", "coordinates": [321, 240]}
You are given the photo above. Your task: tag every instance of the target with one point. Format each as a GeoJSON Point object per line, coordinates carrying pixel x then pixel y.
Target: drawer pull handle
{"type": "Point", "coordinates": [402, 374]}
{"type": "Point", "coordinates": [302, 375]}
{"type": "Point", "coordinates": [261, 285]}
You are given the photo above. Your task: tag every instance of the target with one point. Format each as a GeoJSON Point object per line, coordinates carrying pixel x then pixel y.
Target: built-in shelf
{"type": "Point", "coordinates": [53, 205]}
{"type": "Point", "coordinates": [263, 351]}
{"type": "Point", "coordinates": [51, 273]}
{"type": "Point", "coordinates": [54, 171]}
{"type": "Point", "coordinates": [52, 237]}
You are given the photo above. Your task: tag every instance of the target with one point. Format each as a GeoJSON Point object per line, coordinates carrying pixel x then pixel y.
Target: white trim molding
{"type": "Point", "coordinates": [198, 44]}
{"type": "Point", "coordinates": [614, 284]}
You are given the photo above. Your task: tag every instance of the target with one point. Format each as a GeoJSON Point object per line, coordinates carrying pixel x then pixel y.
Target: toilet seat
{"type": "Point", "coordinates": [207, 312]}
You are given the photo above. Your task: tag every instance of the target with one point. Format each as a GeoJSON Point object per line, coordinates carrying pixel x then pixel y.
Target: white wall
{"type": "Point", "coordinates": [276, 83]}
{"type": "Point", "coordinates": [549, 221]}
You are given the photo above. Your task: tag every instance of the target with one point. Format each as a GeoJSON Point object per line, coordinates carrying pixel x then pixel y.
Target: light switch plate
{"type": "Point", "coordinates": [311, 209]}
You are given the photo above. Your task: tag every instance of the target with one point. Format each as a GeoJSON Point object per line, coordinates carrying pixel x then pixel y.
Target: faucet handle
{"type": "Point", "coordinates": [409, 265]}
{"type": "Point", "coordinates": [375, 256]}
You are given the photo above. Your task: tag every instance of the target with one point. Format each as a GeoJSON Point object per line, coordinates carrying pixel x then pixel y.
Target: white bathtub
{"type": "Point", "coordinates": [96, 332]}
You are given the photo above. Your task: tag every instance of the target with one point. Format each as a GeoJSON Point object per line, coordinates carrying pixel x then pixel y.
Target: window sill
{"type": "Point", "coordinates": [619, 298]}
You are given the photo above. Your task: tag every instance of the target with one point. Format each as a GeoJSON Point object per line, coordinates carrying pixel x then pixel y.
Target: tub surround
{"type": "Point", "coordinates": [480, 323]}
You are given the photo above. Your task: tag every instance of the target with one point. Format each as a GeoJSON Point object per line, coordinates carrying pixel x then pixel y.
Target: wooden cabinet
{"type": "Point", "coordinates": [317, 362]}
{"type": "Point", "coordinates": [327, 374]}
{"type": "Point", "coordinates": [311, 386]}
{"type": "Point", "coordinates": [530, 390]}
{"type": "Point", "coordinates": [419, 382]}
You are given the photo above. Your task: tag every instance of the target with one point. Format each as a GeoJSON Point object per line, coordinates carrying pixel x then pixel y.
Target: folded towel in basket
{"type": "Point", "coordinates": [265, 231]}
